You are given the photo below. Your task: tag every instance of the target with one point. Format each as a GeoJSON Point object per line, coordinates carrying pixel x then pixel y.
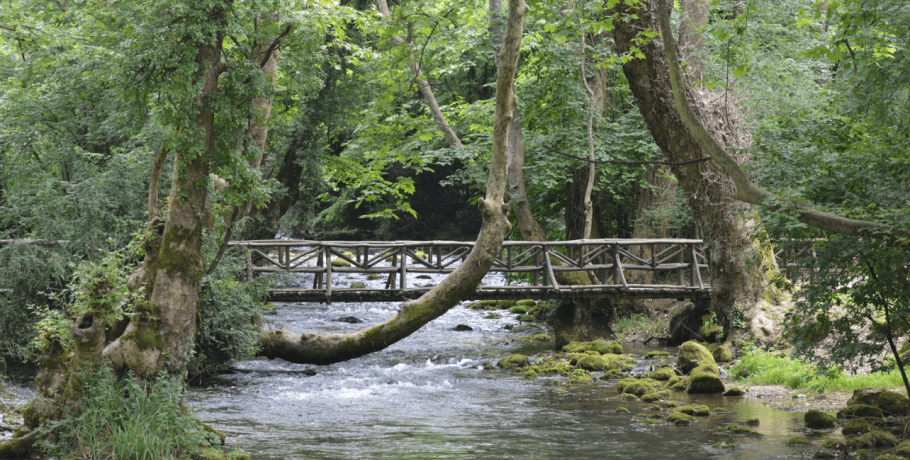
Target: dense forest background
{"type": "Point", "coordinates": [357, 148]}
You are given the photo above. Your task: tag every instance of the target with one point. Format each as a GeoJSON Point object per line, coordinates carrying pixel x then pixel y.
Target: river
{"type": "Point", "coordinates": [428, 397]}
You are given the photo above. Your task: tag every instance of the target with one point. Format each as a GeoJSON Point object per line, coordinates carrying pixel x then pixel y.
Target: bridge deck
{"type": "Point", "coordinates": [540, 265]}
{"type": "Point", "coordinates": [496, 293]}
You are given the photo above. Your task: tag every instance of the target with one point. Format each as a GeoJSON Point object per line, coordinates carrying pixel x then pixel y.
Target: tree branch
{"type": "Point", "coordinates": [621, 162]}
{"type": "Point", "coordinates": [274, 45]}
{"type": "Point", "coordinates": [746, 190]}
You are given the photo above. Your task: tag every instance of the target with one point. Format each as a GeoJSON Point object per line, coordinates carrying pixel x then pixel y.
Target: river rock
{"type": "Point", "coordinates": [816, 419]}
{"type": "Point", "coordinates": [889, 402]}
{"type": "Point", "coordinates": [424, 277]}
{"type": "Point", "coordinates": [664, 373]}
{"type": "Point", "coordinates": [705, 379]}
{"type": "Point", "coordinates": [513, 362]}
{"type": "Point", "coordinates": [691, 355]}
{"type": "Point", "coordinates": [462, 328]}
{"type": "Point", "coordinates": [634, 387]}
{"type": "Point", "coordinates": [348, 319]}
{"type": "Point", "coordinates": [721, 353]}
{"type": "Point", "coordinates": [860, 410]}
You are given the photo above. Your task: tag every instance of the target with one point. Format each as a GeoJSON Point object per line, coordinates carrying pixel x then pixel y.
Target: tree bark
{"type": "Point", "coordinates": [326, 349]}
{"type": "Point", "coordinates": [160, 335]}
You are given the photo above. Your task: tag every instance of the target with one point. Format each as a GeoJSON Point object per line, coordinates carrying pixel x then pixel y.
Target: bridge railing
{"type": "Point", "coordinates": [609, 261]}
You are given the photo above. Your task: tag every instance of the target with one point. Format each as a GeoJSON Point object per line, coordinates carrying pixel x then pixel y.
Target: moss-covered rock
{"type": "Point", "coordinates": [611, 374]}
{"type": "Point", "coordinates": [697, 410]}
{"type": "Point", "coordinates": [592, 363]}
{"type": "Point", "coordinates": [519, 309]}
{"type": "Point", "coordinates": [600, 346]}
{"type": "Point", "coordinates": [515, 361]}
{"type": "Point", "coordinates": [656, 354]}
{"type": "Point", "coordinates": [798, 441]}
{"type": "Point", "coordinates": [535, 338]}
{"type": "Point", "coordinates": [336, 262]}
{"type": "Point", "coordinates": [664, 373]}
{"type": "Point", "coordinates": [752, 422]}
{"type": "Point", "coordinates": [628, 397]}
{"type": "Point", "coordinates": [636, 387]}
{"type": "Point", "coordinates": [691, 355]}
{"type": "Point", "coordinates": [705, 379]}
{"type": "Point", "coordinates": [734, 391]}
{"type": "Point", "coordinates": [679, 385]}
{"type": "Point", "coordinates": [680, 418]}
{"type": "Point", "coordinates": [576, 379]}
{"type": "Point", "coordinates": [492, 316]}
{"type": "Point", "coordinates": [358, 285]}
{"type": "Point", "coordinates": [373, 276]}
{"type": "Point", "coordinates": [871, 439]}
{"type": "Point", "coordinates": [651, 421]}
{"type": "Point", "coordinates": [736, 429]}
{"type": "Point", "coordinates": [269, 309]}
{"type": "Point", "coordinates": [526, 302]}
{"type": "Point", "coordinates": [903, 449]}
{"type": "Point", "coordinates": [894, 403]}
{"type": "Point", "coordinates": [650, 397]}
{"type": "Point", "coordinates": [721, 354]}
{"type": "Point", "coordinates": [526, 318]}
{"type": "Point", "coordinates": [856, 426]}
{"type": "Point", "coordinates": [669, 404]}
{"type": "Point", "coordinates": [818, 420]}
{"type": "Point", "coordinates": [860, 410]}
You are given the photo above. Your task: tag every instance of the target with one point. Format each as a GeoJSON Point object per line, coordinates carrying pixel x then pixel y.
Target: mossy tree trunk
{"type": "Point", "coordinates": [738, 281]}
{"type": "Point", "coordinates": [331, 348]}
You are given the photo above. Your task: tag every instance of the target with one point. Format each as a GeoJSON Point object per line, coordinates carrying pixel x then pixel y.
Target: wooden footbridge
{"type": "Point", "coordinates": [400, 269]}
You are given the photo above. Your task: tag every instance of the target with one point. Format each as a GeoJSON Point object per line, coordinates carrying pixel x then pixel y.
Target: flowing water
{"type": "Point", "coordinates": [429, 397]}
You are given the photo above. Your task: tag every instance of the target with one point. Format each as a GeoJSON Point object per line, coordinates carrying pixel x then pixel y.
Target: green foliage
{"type": "Point", "coordinates": [98, 288]}
{"type": "Point", "coordinates": [126, 420]}
{"type": "Point", "coordinates": [230, 313]}
{"type": "Point", "coordinates": [764, 368]}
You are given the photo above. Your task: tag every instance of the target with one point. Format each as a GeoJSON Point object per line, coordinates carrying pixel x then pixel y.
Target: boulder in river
{"type": "Point", "coordinates": [816, 419]}
{"type": "Point", "coordinates": [462, 328]}
{"type": "Point", "coordinates": [860, 410]}
{"type": "Point", "coordinates": [889, 402]}
{"type": "Point", "coordinates": [513, 362]}
{"type": "Point", "coordinates": [348, 319]}
{"type": "Point", "coordinates": [705, 379]}
{"type": "Point", "coordinates": [691, 355]}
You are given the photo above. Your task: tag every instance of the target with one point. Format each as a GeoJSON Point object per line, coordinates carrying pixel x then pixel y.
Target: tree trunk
{"type": "Point", "coordinates": [326, 349]}
{"type": "Point", "coordinates": [739, 273]}
{"type": "Point", "coordinates": [576, 320]}
{"type": "Point", "coordinates": [160, 335]}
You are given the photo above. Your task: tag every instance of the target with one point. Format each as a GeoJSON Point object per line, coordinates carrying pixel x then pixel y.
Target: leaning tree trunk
{"type": "Point", "coordinates": [325, 349]}
{"type": "Point", "coordinates": [575, 320]}
{"type": "Point", "coordinates": [739, 273]}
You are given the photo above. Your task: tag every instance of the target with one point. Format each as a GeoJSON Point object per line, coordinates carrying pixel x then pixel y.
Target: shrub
{"type": "Point", "coordinates": [128, 420]}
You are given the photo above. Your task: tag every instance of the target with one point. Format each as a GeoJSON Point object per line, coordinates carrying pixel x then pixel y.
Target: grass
{"type": "Point", "coordinates": [763, 368]}
{"type": "Point", "coordinates": [127, 420]}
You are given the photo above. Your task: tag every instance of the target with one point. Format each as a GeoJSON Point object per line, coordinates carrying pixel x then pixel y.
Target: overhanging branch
{"type": "Point", "coordinates": [622, 162]}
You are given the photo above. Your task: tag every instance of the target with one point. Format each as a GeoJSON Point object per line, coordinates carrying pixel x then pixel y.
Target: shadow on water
{"type": "Point", "coordinates": [429, 397]}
